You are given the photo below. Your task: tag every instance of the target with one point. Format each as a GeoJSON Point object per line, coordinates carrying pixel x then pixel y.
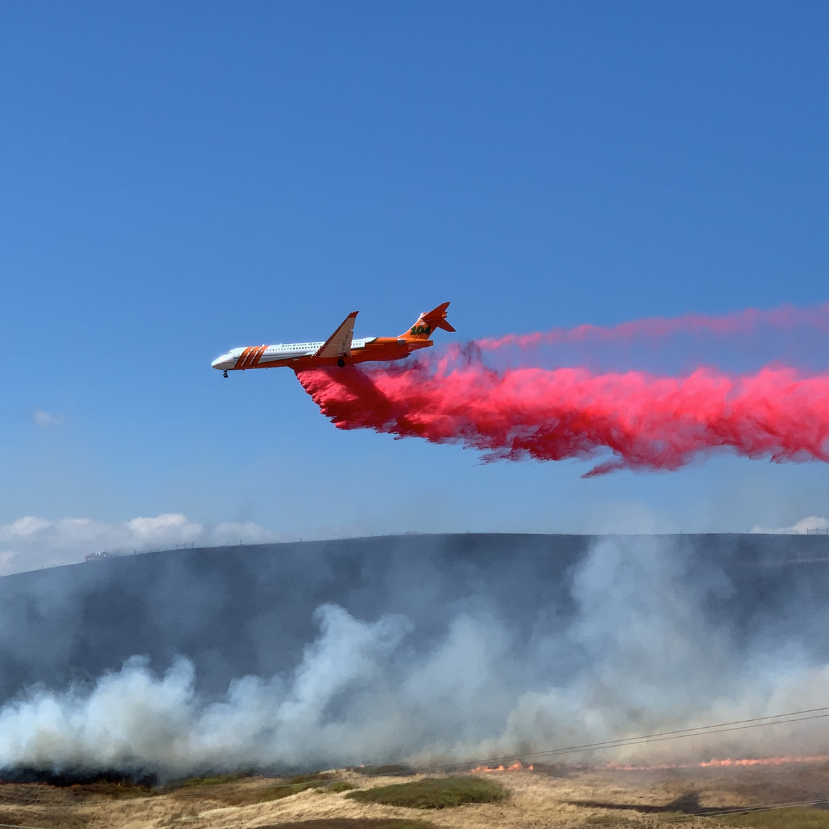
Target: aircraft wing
{"type": "Point", "coordinates": [339, 343]}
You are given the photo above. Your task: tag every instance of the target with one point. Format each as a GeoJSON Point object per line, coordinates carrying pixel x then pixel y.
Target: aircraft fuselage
{"type": "Point", "coordinates": [300, 356]}
{"type": "Point", "coordinates": [340, 349]}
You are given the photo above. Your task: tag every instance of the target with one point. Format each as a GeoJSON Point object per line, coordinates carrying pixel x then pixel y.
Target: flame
{"type": "Point", "coordinates": [729, 762]}
{"type": "Point", "coordinates": [764, 761]}
{"type": "Point", "coordinates": [513, 767]}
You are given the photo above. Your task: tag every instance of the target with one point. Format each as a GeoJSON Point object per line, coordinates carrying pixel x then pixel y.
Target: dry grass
{"type": "Point", "coordinates": [803, 818]}
{"type": "Point", "coordinates": [353, 823]}
{"type": "Point", "coordinates": [561, 799]}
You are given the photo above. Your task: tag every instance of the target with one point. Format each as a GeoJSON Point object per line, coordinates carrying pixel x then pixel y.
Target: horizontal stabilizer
{"type": "Point", "coordinates": [437, 317]}
{"type": "Point", "coordinates": [427, 323]}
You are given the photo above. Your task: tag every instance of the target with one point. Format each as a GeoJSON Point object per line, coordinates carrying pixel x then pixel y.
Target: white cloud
{"type": "Point", "coordinates": [45, 419]}
{"type": "Point", "coordinates": [805, 525]}
{"type": "Point", "coordinates": [32, 542]}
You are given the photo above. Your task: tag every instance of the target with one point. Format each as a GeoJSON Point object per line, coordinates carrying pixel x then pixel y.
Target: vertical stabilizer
{"type": "Point", "coordinates": [427, 323]}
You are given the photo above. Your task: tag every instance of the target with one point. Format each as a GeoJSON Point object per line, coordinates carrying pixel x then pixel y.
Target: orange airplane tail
{"type": "Point", "coordinates": [427, 323]}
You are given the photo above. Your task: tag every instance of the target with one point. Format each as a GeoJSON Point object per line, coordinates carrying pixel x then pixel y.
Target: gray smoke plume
{"type": "Point", "coordinates": [423, 649]}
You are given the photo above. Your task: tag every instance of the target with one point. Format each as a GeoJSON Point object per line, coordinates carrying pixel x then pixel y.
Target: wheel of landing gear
{"type": "Point", "coordinates": [341, 362]}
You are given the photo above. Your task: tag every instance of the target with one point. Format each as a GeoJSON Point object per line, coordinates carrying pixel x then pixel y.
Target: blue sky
{"type": "Point", "coordinates": [181, 178]}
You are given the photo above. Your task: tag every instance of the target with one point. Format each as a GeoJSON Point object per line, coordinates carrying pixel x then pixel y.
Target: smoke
{"type": "Point", "coordinates": [637, 635]}
{"type": "Point", "coordinates": [134, 721]}
{"type": "Point", "coordinates": [810, 524]}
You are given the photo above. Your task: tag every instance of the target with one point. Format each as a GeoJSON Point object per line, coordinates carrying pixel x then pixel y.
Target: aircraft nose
{"type": "Point", "coordinates": [217, 363]}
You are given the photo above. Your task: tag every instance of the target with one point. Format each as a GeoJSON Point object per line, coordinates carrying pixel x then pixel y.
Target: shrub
{"type": "Point", "coordinates": [117, 791]}
{"type": "Point", "coordinates": [385, 771]}
{"type": "Point", "coordinates": [316, 777]}
{"type": "Point", "coordinates": [215, 780]}
{"type": "Point", "coordinates": [282, 790]}
{"type": "Point", "coordinates": [434, 793]}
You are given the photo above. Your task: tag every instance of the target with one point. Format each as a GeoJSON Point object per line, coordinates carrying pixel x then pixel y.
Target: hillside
{"type": "Point", "coordinates": [250, 610]}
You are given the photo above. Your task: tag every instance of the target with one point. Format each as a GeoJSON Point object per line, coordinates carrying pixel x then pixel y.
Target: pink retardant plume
{"type": "Point", "coordinates": [646, 422]}
{"type": "Point", "coordinates": [748, 321]}
{"type": "Point", "coordinates": [740, 323]}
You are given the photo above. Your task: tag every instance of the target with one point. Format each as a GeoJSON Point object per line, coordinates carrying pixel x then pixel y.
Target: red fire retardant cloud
{"type": "Point", "coordinates": [644, 421]}
{"type": "Point", "coordinates": [746, 322]}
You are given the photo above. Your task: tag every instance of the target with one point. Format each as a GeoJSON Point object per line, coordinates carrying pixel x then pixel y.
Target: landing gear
{"type": "Point", "coordinates": [341, 363]}
{"type": "Point", "coordinates": [225, 374]}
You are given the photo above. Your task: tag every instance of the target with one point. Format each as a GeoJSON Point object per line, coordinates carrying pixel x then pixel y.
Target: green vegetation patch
{"type": "Point", "coordinates": [116, 791]}
{"type": "Point", "coordinates": [792, 818]}
{"type": "Point", "coordinates": [434, 793]}
{"type": "Point", "coordinates": [282, 790]}
{"type": "Point", "coordinates": [385, 771]}
{"type": "Point", "coordinates": [214, 780]}
{"type": "Point", "coordinates": [315, 777]}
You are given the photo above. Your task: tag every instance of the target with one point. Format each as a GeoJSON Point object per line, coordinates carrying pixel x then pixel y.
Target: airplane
{"type": "Point", "coordinates": [340, 349]}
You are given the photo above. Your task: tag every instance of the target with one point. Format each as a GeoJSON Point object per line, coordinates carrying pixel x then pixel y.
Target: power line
{"type": "Point", "coordinates": [702, 730]}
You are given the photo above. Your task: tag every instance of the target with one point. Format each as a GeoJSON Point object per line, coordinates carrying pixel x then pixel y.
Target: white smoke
{"type": "Point", "coordinates": [134, 720]}
{"type": "Point", "coordinates": [810, 524]}
{"type": "Point", "coordinates": [32, 542]}
{"type": "Point", "coordinates": [654, 660]}
{"type": "Point", "coordinates": [642, 653]}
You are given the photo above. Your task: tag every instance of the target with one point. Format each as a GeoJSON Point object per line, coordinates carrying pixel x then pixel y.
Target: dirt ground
{"type": "Point", "coordinates": [546, 798]}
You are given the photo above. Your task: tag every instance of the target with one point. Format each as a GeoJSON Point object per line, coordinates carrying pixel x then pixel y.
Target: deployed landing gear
{"type": "Point", "coordinates": [341, 362]}
{"type": "Point", "coordinates": [224, 374]}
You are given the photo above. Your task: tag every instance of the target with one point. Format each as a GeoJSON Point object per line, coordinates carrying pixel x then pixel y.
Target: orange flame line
{"type": "Point", "coordinates": [714, 763]}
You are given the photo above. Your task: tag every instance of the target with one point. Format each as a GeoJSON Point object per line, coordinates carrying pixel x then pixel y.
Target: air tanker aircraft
{"type": "Point", "coordinates": [340, 349]}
